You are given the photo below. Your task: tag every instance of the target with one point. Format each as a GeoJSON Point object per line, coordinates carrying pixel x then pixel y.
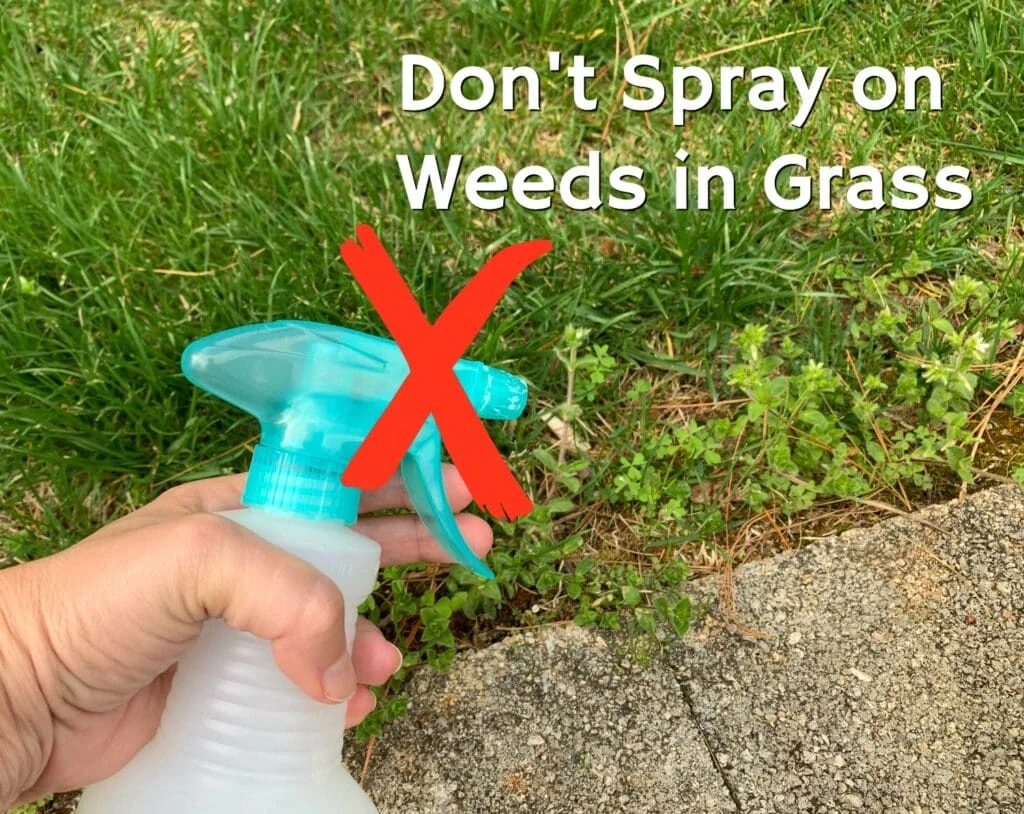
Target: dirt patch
{"type": "Point", "coordinates": [1002, 447]}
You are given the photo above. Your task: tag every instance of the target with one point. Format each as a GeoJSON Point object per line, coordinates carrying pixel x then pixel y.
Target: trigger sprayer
{"type": "Point", "coordinates": [236, 734]}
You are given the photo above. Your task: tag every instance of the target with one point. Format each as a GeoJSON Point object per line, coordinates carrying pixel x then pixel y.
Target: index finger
{"type": "Point", "coordinates": [393, 495]}
{"type": "Point", "coordinates": [219, 494]}
{"type": "Point", "coordinates": [209, 495]}
{"type": "Point", "coordinates": [224, 493]}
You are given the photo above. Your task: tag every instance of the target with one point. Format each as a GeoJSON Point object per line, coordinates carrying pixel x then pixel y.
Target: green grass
{"type": "Point", "coordinates": [172, 169]}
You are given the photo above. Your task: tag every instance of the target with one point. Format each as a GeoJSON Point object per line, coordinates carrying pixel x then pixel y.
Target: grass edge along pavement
{"type": "Point", "coordinates": [891, 681]}
{"type": "Point", "coordinates": [174, 170]}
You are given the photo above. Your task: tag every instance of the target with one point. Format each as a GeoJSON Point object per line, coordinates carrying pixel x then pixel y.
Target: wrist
{"type": "Point", "coordinates": [26, 728]}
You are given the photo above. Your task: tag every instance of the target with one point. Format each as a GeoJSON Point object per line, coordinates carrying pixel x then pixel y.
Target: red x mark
{"type": "Point", "coordinates": [432, 387]}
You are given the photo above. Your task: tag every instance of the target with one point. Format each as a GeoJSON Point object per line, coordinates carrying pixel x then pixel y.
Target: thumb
{"type": "Point", "coordinates": [232, 574]}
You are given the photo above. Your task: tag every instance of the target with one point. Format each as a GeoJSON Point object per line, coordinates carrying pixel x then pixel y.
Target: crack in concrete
{"type": "Point", "coordinates": [733, 793]}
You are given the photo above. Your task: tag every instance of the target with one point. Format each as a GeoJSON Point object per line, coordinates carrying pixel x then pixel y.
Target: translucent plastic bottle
{"type": "Point", "coordinates": [237, 736]}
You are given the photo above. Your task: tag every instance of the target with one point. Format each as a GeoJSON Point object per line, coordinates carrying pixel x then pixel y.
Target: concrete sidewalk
{"type": "Point", "coordinates": [893, 680]}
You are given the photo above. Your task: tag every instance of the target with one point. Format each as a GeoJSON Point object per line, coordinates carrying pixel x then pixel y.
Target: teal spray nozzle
{"type": "Point", "coordinates": [317, 391]}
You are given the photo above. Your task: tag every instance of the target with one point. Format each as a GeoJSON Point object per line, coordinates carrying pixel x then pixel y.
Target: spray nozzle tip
{"type": "Point", "coordinates": [504, 396]}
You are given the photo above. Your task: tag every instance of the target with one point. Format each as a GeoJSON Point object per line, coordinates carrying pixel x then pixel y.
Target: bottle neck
{"type": "Point", "coordinates": [298, 484]}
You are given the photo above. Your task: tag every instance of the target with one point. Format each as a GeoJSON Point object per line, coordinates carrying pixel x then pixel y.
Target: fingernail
{"type": "Point", "coordinates": [399, 658]}
{"type": "Point", "coordinates": [340, 680]}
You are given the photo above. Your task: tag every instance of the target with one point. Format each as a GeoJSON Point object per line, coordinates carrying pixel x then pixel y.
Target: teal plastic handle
{"type": "Point", "coordinates": [317, 391]}
{"type": "Point", "coordinates": [421, 473]}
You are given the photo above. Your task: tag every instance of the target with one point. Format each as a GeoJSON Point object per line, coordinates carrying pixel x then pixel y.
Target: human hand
{"type": "Point", "coordinates": [90, 636]}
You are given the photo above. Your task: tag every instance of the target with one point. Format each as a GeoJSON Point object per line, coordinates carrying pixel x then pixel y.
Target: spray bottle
{"type": "Point", "coordinates": [236, 734]}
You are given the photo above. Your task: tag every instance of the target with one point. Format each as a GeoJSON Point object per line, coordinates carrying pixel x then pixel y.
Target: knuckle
{"type": "Point", "coordinates": [426, 543]}
{"type": "Point", "coordinates": [324, 608]}
{"type": "Point", "coordinates": [202, 559]}
{"type": "Point", "coordinates": [205, 532]}
{"type": "Point", "coordinates": [205, 543]}
{"type": "Point", "coordinates": [181, 496]}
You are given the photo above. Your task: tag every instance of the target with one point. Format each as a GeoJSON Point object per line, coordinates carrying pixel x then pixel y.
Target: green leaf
{"type": "Point", "coordinates": [680, 616]}
{"type": "Point", "coordinates": [645, 622]}
{"type": "Point", "coordinates": [585, 616]}
{"type": "Point", "coordinates": [548, 581]}
{"type": "Point", "coordinates": [570, 482]}
{"type": "Point", "coordinates": [610, 620]}
{"type": "Point", "coordinates": [559, 505]}
{"type": "Point", "coordinates": [546, 458]}
{"type": "Point", "coordinates": [631, 595]}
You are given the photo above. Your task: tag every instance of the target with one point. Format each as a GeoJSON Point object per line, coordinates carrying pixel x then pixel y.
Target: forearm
{"type": "Point", "coordinates": [26, 728]}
